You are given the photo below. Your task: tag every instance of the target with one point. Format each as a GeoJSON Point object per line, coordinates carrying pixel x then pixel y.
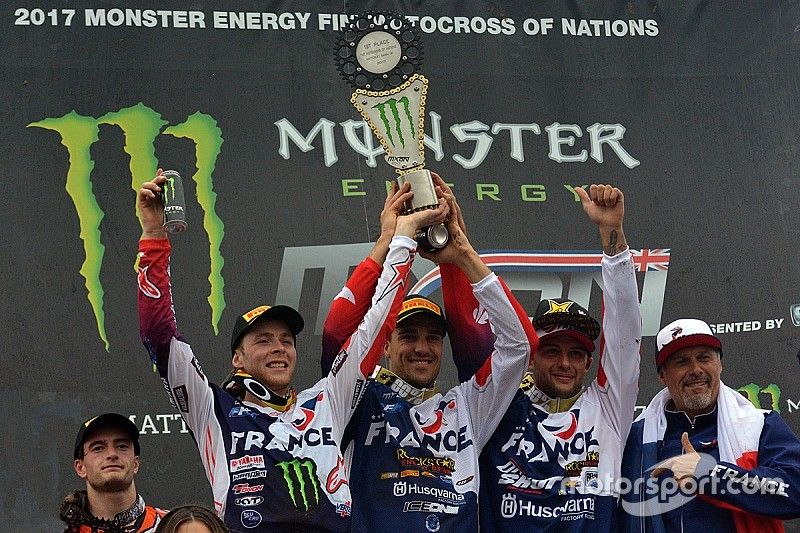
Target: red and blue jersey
{"type": "Point", "coordinates": [271, 470]}
{"type": "Point", "coordinates": [415, 453]}
{"type": "Point", "coordinates": [551, 464]}
{"type": "Point", "coordinates": [752, 495]}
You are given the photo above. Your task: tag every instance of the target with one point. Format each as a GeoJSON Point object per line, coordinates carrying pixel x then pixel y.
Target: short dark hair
{"type": "Point", "coordinates": [190, 513]}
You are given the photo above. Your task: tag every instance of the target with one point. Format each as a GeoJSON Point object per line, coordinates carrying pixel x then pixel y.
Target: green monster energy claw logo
{"type": "Point", "coordinates": [300, 470]}
{"type": "Point", "coordinates": [169, 188]}
{"type": "Point", "coordinates": [392, 104]}
{"type": "Point", "coordinates": [141, 125]}
{"type": "Point", "coordinates": [753, 393]}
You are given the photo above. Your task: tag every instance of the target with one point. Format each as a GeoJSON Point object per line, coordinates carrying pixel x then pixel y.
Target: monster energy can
{"type": "Point", "coordinates": [174, 202]}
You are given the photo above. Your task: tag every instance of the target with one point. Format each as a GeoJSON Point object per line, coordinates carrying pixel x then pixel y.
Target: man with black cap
{"type": "Point", "coordinates": [552, 463]}
{"type": "Point", "coordinates": [713, 461]}
{"type": "Point", "coordinates": [414, 448]}
{"type": "Point", "coordinates": [107, 457]}
{"type": "Point", "coordinates": [271, 455]}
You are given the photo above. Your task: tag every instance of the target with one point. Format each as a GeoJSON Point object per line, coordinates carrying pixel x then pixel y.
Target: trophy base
{"type": "Point", "coordinates": [422, 187]}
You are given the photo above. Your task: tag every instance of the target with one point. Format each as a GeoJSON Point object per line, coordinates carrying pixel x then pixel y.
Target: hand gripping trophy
{"type": "Point", "coordinates": [379, 54]}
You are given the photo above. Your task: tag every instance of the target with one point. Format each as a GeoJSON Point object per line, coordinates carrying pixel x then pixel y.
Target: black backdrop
{"type": "Point", "coordinates": [284, 188]}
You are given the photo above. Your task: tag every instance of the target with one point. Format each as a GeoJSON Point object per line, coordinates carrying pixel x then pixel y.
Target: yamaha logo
{"type": "Point", "coordinates": [248, 501]}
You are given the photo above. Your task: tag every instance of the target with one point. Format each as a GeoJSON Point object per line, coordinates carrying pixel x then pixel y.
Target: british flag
{"type": "Point", "coordinates": [648, 259]}
{"type": "Point", "coordinates": [645, 260]}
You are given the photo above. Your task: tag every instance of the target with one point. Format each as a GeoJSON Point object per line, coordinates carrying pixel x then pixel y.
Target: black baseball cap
{"type": "Point", "coordinates": [106, 420]}
{"type": "Point", "coordinates": [415, 304]}
{"type": "Point", "coordinates": [275, 312]}
{"type": "Point", "coordinates": [566, 317]}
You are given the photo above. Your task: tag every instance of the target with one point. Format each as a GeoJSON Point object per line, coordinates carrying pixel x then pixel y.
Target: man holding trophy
{"type": "Point", "coordinates": [413, 450]}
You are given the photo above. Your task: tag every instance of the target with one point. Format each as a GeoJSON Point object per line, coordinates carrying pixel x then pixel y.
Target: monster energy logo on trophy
{"type": "Point", "coordinates": [379, 54]}
{"type": "Point", "coordinates": [300, 476]}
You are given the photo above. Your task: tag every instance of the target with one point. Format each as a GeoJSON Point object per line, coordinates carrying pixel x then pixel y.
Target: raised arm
{"type": "Point", "coordinates": [492, 387]}
{"type": "Point", "coordinates": [618, 369]}
{"type": "Point", "coordinates": [471, 338]}
{"type": "Point", "coordinates": [157, 324]}
{"type": "Point", "coordinates": [351, 304]}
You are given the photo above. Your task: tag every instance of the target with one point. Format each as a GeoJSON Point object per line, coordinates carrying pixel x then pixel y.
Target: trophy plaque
{"type": "Point", "coordinates": [379, 54]}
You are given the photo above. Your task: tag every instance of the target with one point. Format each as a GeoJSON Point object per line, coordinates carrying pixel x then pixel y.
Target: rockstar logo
{"type": "Point", "coordinates": [556, 307]}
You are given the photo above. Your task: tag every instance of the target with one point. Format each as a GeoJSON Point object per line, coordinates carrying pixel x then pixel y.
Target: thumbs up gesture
{"type": "Point", "coordinates": [683, 467]}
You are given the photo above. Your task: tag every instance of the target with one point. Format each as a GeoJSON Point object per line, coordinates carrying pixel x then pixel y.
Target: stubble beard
{"type": "Point", "coordinates": [114, 484]}
{"type": "Point", "coordinates": [697, 402]}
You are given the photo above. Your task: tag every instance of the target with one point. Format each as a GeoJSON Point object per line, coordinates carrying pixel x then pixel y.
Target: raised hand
{"type": "Point", "coordinates": [151, 207]}
{"type": "Point", "coordinates": [409, 224]}
{"type": "Point", "coordinates": [605, 206]}
{"type": "Point", "coordinates": [683, 467]}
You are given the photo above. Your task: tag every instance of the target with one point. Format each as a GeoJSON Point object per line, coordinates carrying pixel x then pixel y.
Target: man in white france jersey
{"type": "Point", "coordinates": [415, 449]}
{"type": "Point", "coordinates": [555, 457]}
{"type": "Point", "coordinates": [271, 455]}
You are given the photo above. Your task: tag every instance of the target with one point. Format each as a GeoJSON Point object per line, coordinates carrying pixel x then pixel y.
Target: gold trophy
{"type": "Point", "coordinates": [379, 54]}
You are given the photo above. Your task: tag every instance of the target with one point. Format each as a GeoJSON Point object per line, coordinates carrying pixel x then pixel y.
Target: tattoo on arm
{"type": "Point", "coordinates": [611, 248]}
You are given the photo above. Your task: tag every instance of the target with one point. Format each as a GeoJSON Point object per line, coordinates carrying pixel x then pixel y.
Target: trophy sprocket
{"type": "Point", "coordinates": [396, 58]}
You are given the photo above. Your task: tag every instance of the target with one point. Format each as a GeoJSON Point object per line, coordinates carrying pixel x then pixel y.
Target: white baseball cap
{"type": "Point", "coordinates": [681, 334]}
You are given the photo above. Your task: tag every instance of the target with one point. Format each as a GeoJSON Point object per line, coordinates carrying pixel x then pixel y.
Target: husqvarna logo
{"type": "Point", "coordinates": [508, 507]}
{"type": "Point", "coordinates": [400, 488]}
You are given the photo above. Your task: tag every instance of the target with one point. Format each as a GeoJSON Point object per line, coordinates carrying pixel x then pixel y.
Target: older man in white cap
{"type": "Point", "coordinates": [701, 457]}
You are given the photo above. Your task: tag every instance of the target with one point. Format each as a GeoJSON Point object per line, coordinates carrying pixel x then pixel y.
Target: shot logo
{"type": "Point", "coordinates": [397, 120]}
{"type": "Point", "coordinates": [300, 476]}
{"type": "Point", "coordinates": [141, 126]}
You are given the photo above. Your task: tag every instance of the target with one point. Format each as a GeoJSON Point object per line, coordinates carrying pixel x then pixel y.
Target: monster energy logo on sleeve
{"type": "Point", "coordinates": [392, 103]}
{"type": "Point", "coordinates": [301, 478]}
{"type": "Point", "coordinates": [141, 126]}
